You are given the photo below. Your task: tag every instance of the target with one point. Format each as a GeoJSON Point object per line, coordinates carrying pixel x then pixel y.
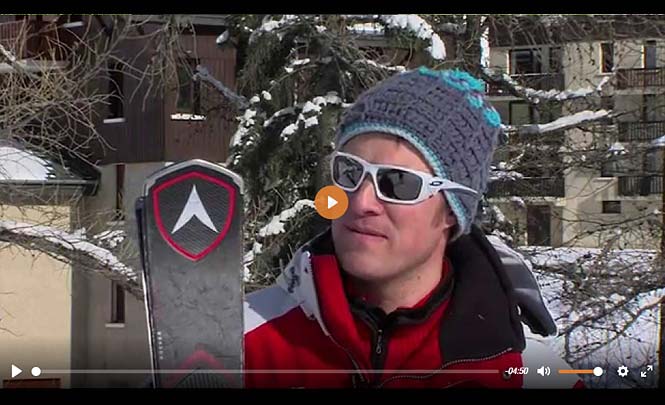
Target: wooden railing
{"type": "Point", "coordinates": [630, 78]}
{"type": "Point", "coordinates": [641, 131]}
{"type": "Point", "coordinates": [640, 185]}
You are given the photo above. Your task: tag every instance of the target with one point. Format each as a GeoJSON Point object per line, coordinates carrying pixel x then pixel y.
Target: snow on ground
{"type": "Point", "coordinates": [596, 343]}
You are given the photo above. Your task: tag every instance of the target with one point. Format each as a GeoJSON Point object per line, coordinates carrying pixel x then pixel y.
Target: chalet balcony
{"type": "Point", "coordinates": [642, 131]}
{"type": "Point", "coordinates": [636, 78]}
{"type": "Point", "coordinates": [527, 187]}
{"type": "Point", "coordinates": [640, 185]}
{"type": "Point", "coordinates": [536, 81]}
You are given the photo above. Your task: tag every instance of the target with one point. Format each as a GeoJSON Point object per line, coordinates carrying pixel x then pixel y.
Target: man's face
{"type": "Point", "coordinates": [376, 240]}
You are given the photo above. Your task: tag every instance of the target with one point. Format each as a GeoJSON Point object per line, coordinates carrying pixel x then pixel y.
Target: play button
{"type": "Point", "coordinates": [15, 371]}
{"type": "Point", "coordinates": [331, 202]}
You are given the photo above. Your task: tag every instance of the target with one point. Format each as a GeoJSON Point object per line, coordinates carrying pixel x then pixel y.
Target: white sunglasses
{"type": "Point", "coordinates": [393, 184]}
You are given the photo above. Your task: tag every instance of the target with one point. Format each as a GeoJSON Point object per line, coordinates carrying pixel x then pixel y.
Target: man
{"type": "Point", "coordinates": [403, 291]}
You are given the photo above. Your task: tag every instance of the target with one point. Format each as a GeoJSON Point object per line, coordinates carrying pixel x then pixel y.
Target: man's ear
{"type": "Point", "coordinates": [445, 216]}
{"type": "Point", "coordinates": [449, 218]}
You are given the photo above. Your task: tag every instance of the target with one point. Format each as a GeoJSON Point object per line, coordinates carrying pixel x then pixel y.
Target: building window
{"type": "Point", "coordinates": [611, 207]}
{"type": "Point", "coordinates": [650, 54]}
{"type": "Point", "coordinates": [116, 93]}
{"type": "Point", "coordinates": [524, 61]}
{"type": "Point", "coordinates": [649, 107]}
{"type": "Point", "coordinates": [189, 91]}
{"type": "Point", "coordinates": [653, 161]}
{"type": "Point", "coordinates": [556, 59]}
{"type": "Point", "coordinates": [521, 113]}
{"type": "Point", "coordinates": [606, 57]}
{"type": "Point", "coordinates": [119, 192]}
{"type": "Point", "coordinates": [117, 303]}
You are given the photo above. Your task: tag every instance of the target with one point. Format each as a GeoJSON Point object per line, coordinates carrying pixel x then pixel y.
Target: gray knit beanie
{"type": "Point", "coordinates": [443, 114]}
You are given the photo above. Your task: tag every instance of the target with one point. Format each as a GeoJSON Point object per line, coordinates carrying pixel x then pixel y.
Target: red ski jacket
{"type": "Point", "coordinates": [308, 331]}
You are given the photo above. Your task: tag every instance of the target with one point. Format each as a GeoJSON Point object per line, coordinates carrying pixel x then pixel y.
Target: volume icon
{"type": "Point", "coordinates": [543, 371]}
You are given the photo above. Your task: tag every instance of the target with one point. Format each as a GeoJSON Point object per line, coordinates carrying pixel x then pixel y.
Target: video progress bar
{"type": "Point", "coordinates": [198, 371]}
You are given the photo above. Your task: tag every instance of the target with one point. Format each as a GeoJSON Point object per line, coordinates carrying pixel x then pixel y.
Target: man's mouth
{"type": "Point", "coordinates": [365, 230]}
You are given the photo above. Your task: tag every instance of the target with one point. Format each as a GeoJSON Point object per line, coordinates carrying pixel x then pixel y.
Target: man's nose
{"type": "Point", "coordinates": [364, 201]}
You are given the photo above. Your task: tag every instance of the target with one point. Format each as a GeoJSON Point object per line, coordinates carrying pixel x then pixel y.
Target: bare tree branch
{"type": "Point", "coordinates": [72, 249]}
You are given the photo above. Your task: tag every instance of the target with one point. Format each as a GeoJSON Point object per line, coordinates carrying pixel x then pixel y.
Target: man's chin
{"type": "Point", "coordinates": [365, 266]}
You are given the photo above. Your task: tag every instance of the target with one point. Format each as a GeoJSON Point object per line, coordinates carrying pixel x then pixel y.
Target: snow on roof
{"type": "Point", "coordinates": [21, 165]}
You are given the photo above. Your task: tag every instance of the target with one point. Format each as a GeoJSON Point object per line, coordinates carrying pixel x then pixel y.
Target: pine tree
{"type": "Point", "coordinates": [298, 73]}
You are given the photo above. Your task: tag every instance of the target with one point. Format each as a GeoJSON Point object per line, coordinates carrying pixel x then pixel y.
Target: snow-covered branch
{"type": "Point", "coordinates": [537, 96]}
{"type": "Point", "coordinates": [15, 64]}
{"type": "Point", "coordinates": [246, 122]}
{"type": "Point", "coordinates": [505, 175]}
{"type": "Point", "coordinates": [203, 74]}
{"type": "Point", "coordinates": [451, 28]}
{"type": "Point", "coordinates": [276, 224]}
{"type": "Point", "coordinates": [391, 69]}
{"type": "Point", "coordinates": [569, 121]}
{"type": "Point", "coordinates": [310, 112]}
{"type": "Point", "coordinates": [270, 25]}
{"type": "Point", "coordinates": [72, 248]}
{"type": "Point", "coordinates": [421, 28]}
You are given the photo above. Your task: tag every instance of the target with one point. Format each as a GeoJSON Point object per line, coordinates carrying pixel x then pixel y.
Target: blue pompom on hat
{"type": "Point", "coordinates": [444, 114]}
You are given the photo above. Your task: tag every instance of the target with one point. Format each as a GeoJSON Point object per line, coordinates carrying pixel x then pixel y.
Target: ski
{"type": "Point", "coordinates": [190, 219]}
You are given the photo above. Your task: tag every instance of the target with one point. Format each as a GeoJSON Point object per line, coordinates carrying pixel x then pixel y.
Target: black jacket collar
{"type": "Point", "coordinates": [482, 318]}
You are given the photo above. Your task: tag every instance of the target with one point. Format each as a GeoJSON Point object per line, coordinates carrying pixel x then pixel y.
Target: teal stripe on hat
{"type": "Point", "coordinates": [439, 169]}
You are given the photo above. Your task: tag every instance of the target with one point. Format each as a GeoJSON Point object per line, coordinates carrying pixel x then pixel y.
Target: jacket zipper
{"type": "Point", "coordinates": [445, 365]}
{"type": "Point", "coordinates": [353, 361]}
{"type": "Point", "coordinates": [378, 349]}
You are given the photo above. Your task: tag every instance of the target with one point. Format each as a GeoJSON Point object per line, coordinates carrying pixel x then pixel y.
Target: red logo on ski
{"type": "Point", "coordinates": [194, 226]}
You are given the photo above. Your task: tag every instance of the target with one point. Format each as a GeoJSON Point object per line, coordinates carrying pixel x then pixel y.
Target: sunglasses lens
{"type": "Point", "coordinates": [347, 172]}
{"type": "Point", "coordinates": [398, 184]}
